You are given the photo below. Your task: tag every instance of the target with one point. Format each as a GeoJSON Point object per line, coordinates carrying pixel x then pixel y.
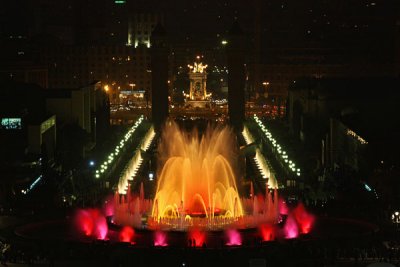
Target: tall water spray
{"type": "Point", "coordinates": [196, 177]}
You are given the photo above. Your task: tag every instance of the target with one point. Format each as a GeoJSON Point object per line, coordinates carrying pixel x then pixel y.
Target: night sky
{"type": "Point", "coordinates": [306, 21]}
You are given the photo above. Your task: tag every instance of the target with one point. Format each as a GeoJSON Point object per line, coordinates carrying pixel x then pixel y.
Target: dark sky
{"type": "Point", "coordinates": [321, 21]}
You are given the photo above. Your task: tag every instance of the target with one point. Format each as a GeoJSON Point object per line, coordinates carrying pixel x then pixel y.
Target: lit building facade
{"type": "Point", "coordinates": [140, 27]}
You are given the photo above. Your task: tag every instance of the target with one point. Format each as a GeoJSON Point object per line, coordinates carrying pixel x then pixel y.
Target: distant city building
{"type": "Point", "coordinates": [337, 118]}
{"type": "Point", "coordinates": [24, 72]}
{"type": "Point", "coordinates": [140, 27]}
{"type": "Point", "coordinates": [123, 70]}
{"type": "Point", "coordinates": [288, 65]}
{"type": "Point", "coordinates": [28, 136]}
{"type": "Point", "coordinates": [86, 106]}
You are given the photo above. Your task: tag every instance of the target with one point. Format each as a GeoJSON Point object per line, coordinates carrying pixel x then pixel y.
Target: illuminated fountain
{"type": "Point", "coordinates": [91, 223]}
{"type": "Point", "coordinates": [197, 192]}
{"type": "Point", "coordinates": [196, 203]}
{"type": "Point", "coordinates": [133, 165]}
{"type": "Point", "coordinates": [196, 185]}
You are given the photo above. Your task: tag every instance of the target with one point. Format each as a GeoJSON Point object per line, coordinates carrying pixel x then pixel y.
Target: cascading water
{"type": "Point", "coordinates": [196, 192]}
{"type": "Point", "coordinates": [196, 180]}
{"type": "Point", "coordinates": [196, 187]}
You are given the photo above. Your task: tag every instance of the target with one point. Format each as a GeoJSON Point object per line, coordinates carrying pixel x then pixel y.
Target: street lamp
{"type": "Point", "coordinates": [264, 91]}
{"type": "Point", "coordinates": [396, 217]}
{"type": "Point", "coordinates": [265, 84]}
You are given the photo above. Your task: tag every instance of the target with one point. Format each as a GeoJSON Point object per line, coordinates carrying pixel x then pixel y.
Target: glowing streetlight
{"type": "Point", "coordinates": [396, 217]}
{"type": "Point", "coordinates": [224, 42]}
{"type": "Point", "coordinates": [106, 88]}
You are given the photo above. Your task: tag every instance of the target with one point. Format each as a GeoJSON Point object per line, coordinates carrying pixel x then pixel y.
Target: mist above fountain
{"type": "Point", "coordinates": [196, 180]}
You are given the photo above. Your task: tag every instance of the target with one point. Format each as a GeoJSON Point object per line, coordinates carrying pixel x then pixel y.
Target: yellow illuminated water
{"type": "Point", "coordinates": [196, 177]}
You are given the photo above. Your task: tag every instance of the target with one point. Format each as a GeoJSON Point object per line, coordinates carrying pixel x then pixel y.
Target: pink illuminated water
{"type": "Point", "coordinates": [290, 229]}
{"type": "Point", "coordinates": [101, 227]}
{"type": "Point", "coordinates": [160, 239]}
{"type": "Point", "coordinates": [283, 208]}
{"type": "Point", "coordinates": [234, 237]}
{"type": "Point", "coordinates": [108, 206]}
{"type": "Point", "coordinates": [304, 219]}
{"type": "Point", "coordinates": [91, 222]}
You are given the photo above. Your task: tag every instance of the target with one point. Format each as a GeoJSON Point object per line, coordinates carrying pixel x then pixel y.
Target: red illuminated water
{"type": "Point", "coordinates": [91, 222]}
{"type": "Point", "coordinates": [196, 238]}
{"type": "Point", "coordinates": [304, 219]}
{"type": "Point", "coordinates": [268, 232]}
{"type": "Point", "coordinates": [126, 234]}
{"type": "Point", "coordinates": [84, 222]}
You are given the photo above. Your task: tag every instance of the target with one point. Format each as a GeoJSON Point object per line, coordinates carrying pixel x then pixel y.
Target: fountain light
{"type": "Point", "coordinates": [291, 229]}
{"type": "Point", "coordinates": [196, 180]}
{"type": "Point", "coordinates": [267, 232]}
{"type": "Point", "coordinates": [248, 138]}
{"type": "Point", "coordinates": [91, 223]}
{"type": "Point", "coordinates": [274, 143]}
{"type": "Point", "coordinates": [160, 239]}
{"type": "Point", "coordinates": [261, 162]}
{"type": "Point", "coordinates": [234, 237]}
{"type": "Point", "coordinates": [197, 188]}
{"type": "Point", "coordinates": [134, 164]}
{"type": "Point", "coordinates": [126, 137]}
{"type": "Point", "coordinates": [126, 234]}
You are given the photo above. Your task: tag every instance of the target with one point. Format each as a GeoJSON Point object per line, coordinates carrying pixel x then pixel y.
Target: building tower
{"type": "Point", "coordinates": [236, 76]}
{"type": "Point", "coordinates": [140, 28]}
{"type": "Point", "coordinates": [198, 80]}
{"type": "Point", "coordinates": [159, 76]}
